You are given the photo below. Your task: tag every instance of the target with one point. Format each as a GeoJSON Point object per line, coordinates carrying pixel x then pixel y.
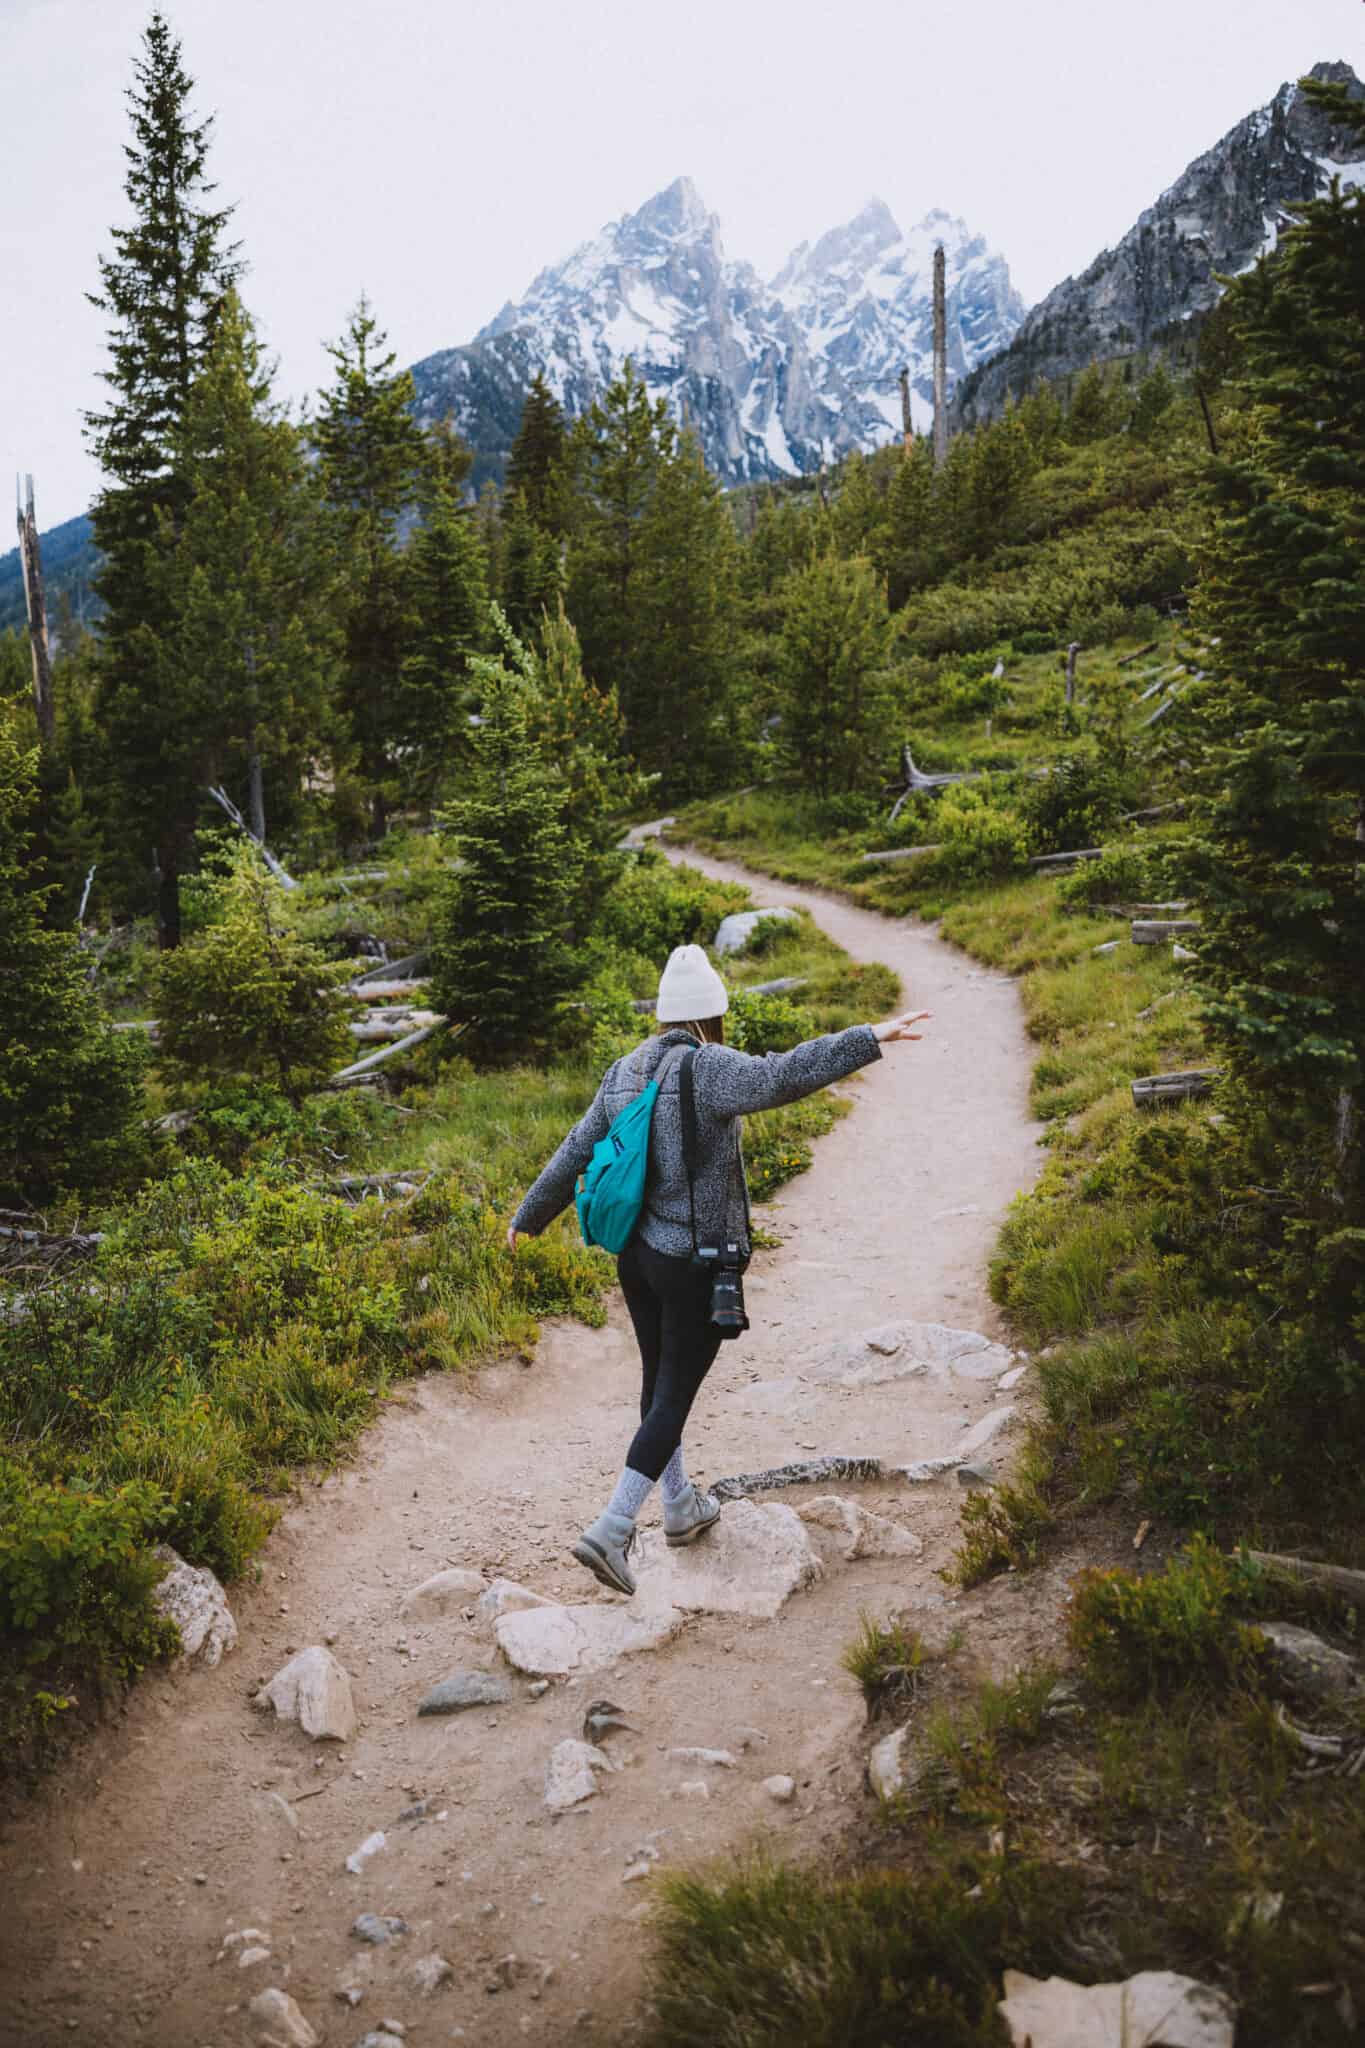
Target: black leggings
{"type": "Point", "coordinates": [670, 1306]}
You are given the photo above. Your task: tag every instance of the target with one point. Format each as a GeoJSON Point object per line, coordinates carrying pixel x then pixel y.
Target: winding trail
{"type": "Point", "coordinates": [184, 1818]}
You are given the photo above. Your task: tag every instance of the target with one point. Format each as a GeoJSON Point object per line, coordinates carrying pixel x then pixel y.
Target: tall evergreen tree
{"type": "Point", "coordinates": [579, 729]}
{"type": "Point", "coordinates": [532, 569]}
{"type": "Point", "coordinates": [70, 1089]}
{"type": "Point", "coordinates": [161, 290]}
{"type": "Point", "coordinates": [835, 644]}
{"type": "Point", "coordinates": [371, 455]}
{"type": "Point", "coordinates": [447, 595]}
{"type": "Point", "coordinates": [1282, 951]}
{"type": "Point", "coordinates": [502, 961]}
{"type": "Point", "coordinates": [536, 466]}
{"type": "Point", "coordinates": [246, 660]}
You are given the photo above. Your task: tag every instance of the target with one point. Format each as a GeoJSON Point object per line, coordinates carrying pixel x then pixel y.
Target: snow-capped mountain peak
{"type": "Point", "coordinates": [774, 379]}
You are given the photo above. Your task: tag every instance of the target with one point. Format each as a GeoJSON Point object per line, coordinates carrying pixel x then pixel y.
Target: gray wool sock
{"type": "Point", "coordinates": [632, 1491]}
{"type": "Point", "coordinates": [675, 1483]}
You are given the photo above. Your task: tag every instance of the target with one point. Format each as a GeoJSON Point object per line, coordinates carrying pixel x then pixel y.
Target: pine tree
{"type": "Point", "coordinates": [502, 962]}
{"type": "Point", "coordinates": [835, 645]}
{"type": "Point", "coordinates": [911, 550]}
{"type": "Point", "coordinates": [536, 466]}
{"type": "Point", "coordinates": [532, 569]}
{"type": "Point", "coordinates": [1282, 950]}
{"type": "Point", "coordinates": [249, 996]}
{"type": "Point", "coordinates": [579, 729]}
{"type": "Point", "coordinates": [447, 593]}
{"type": "Point", "coordinates": [161, 290]}
{"type": "Point", "coordinates": [371, 454]}
{"type": "Point", "coordinates": [70, 1089]}
{"type": "Point", "coordinates": [247, 660]}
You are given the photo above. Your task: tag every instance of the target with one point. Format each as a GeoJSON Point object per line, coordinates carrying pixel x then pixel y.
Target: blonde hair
{"type": "Point", "coordinates": [706, 1030]}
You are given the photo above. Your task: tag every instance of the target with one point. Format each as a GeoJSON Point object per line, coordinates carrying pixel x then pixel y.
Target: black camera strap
{"type": "Point", "coordinates": [687, 1104]}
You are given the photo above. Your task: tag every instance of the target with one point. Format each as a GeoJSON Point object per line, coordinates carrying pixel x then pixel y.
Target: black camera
{"type": "Point", "coordinates": [726, 1267]}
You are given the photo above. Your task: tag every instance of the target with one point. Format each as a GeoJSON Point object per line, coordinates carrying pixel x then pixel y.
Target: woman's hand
{"type": "Point", "coordinates": [899, 1027]}
{"type": "Point", "coordinates": [512, 1235]}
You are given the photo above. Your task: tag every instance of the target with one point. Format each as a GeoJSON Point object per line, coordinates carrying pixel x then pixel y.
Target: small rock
{"type": "Point", "coordinates": [191, 1597]}
{"type": "Point", "coordinates": [780, 1788]}
{"type": "Point", "coordinates": [249, 1957]}
{"type": "Point", "coordinates": [279, 2022]}
{"type": "Point", "coordinates": [1306, 1666]}
{"type": "Point", "coordinates": [734, 932]}
{"type": "Point", "coordinates": [1008, 1381]}
{"type": "Point", "coordinates": [380, 2037]}
{"type": "Point", "coordinates": [427, 1974]}
{"type": "Point", "coordinates": [864, 1534]}
{"type": "Point", "coordinates": [371, 1846]}
{"type": "Point", "coordinates": [507, 1971]}
{"type": "Point", "coordinates": [244, 1938]}
{"type": "Point", "coordinates": [980, 1472]}
{"type": "Point", "coordinates": [750, 1738]}
{"type": "Point", "coordinates": [986, 1430]}
{"type": "Point", "coordinates": [1156, 2007]}
{"type": "Point", "coordinates": [693, 1788]}
{"type": "Point", "coordinates": [378, 1928]}
{"type": "Point", "coordinates": [445, 1593]}
{"type": "Point", "coordinates": [720, 1759]}
{"type": "Point", "coordinates": [633, 1872]}
{"type": "Point", "coordinates": [314, 1690]}
{"type": "Point", "coordinates": [466, 1689]}
{"type": "Point", "coordinates": [419, 1810]}
{"type": "Point", "coordinates": [505, 1596]}
{"type": "Point", "coordinates": [348, 1994]}
{"type": "Point", "coordinates": [570, 1775]}
{"type": "Point", "coordinates": [538, 1688]}
{"type": "Point", "coordinates": [1182, 954]}
{"type": "Point", "coordinates": [886, 1766]}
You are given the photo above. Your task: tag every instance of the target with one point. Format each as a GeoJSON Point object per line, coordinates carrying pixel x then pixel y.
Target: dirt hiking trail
{"type": "Point", "coordinates": [191, 1817]}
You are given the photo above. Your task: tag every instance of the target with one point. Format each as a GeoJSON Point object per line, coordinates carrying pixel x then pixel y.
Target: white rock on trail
{"type": "Point", "coordinates": [191, 1597]}
{"type": "Point", "coordinates": [886, 1766]}
{"type": "Point", "coordinates": [570, 1775]}
{"type": "Point", "coordinates": [279, 2023]}
{"type": "Point", "coordinates": [444, 1593]}
{"type": "Point", "coordinates": [314, 1690]}
{"type": "Point", "coordinates": [551, 1642]}
{"type": "Point", "coordinates": [734, 932]}
{"type": "Point", "coordinates": [864, 1534]}
{"type": "Point", "coordinates": [426, 1974]}
{"type": "Point", "coordinates": [719, 1759]}
{"type": "Point", "coordinates": [986, 1430]}
{"type": "Point", "coordinates": [371, 1846]}
{"type": "Point", "coordinates": [1155, 2009]}
{"type": "Point", "coordinates": [897, 1351]}
{"type": "Point", "coordinates": [780, 1788]}
{"type": "Point", "coordinates": [505, 1596]}
{"type": "Point", "coordinates": [751, 1563]}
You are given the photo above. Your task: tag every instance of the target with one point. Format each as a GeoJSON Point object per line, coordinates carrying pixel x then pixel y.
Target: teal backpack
{"type": "Point", "coordinates": [611, 1189]}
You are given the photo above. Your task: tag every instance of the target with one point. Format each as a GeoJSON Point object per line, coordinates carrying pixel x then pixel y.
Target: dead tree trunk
{"type": "Point", "coordinates": [940, 360]}
{"type": "Point", "coordinates": [31, 560]}
{"type": "Point", "coordinates": [225, 803]}
{"type": "Point", "coordinates": [255, 782]}
{"type": "Point", "coordinates": [907, 425]}
{"type": "Point", "coordinates": [1072, 651]}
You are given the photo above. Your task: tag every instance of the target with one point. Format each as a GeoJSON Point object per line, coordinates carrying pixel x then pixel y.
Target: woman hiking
{"type": "Point", "coordinates": [668, 1289]}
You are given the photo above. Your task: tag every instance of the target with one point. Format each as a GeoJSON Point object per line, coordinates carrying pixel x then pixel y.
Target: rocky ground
{"type": "Point", "coordinates": [464, 1846]}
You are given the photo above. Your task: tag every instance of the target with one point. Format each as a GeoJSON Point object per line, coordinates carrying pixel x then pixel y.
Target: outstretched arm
{"type": "Point", "coordinates": [552, 1189]}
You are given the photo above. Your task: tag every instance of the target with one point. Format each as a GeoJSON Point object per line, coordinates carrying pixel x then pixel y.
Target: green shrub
{"type": "Point", "coordinates": [75, 1583]}
{"type": "Point", "coordinates": [654, 906]}
{"type": "Point", "coordinates": [1126, 872]}
{"type": "Point", "coordinates": [766, 1023]}
{"type": "Point", "coordinates": [1167, 1630]}
{"type": "Point", "coordinates": [978, 837]}
{"type": "Point", "coordinates": [248, 996]}
{"type": "Point", "coordinates": [1075, 803]}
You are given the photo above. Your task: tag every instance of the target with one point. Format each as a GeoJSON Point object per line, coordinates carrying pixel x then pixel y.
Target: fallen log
{"type": "Point", "coordinates": [1156, 931]}
{"type": "Point", "coordinates": [281, 874]}
{"type": "Point", "coordinates": [1132, 910]}
{"type": "Point", "coordinates": [150, 1025]}
{"type": "Point", "coordinates": [917, 781]}
{"type": "Point", "coordinates": [413, 964]}
{"type": "Point", "coordinates": [901, 853]}
{"type": "Point", "coordinates": [1155, 1088]}
{"type": "Point", "coordinates": [1127, 660]}
{"type": "Point", "coordinates": [1334, 1578]}
{"type": "Point", "coordinates": [385, 991]}
{"type": "Point", "coordinates": [377, 1030]}
{"type": "Point", "coordinates": [360, 1070]}
{"type": "Point", "coordinates": [1066, 860]}
{"type": "Point", "coordinates": [1172, 699]}
{"type": "Point", "coordinates": [1153, 811]}
{"type": "Point", "coordinates": [52, 1243]}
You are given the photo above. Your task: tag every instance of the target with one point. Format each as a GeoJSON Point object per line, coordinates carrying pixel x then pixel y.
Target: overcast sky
{"type": "Point", "coordinates": [437, 153]}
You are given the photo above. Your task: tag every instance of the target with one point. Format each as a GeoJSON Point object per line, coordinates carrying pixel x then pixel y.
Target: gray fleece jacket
{"type": "Point", "coordinates": [727, 1085]}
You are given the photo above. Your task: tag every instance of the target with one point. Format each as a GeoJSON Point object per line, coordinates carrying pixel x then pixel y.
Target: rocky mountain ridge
{"type": "Point", "coordinates": [1225, 210]}
{"type": "Point", "coordinates": [775, 378]}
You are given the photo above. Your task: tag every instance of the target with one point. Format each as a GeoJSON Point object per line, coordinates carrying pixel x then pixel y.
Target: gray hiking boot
{"type": "Point", "coordinates": [687, 1519]}
{"type": "Point", "coordinates": [604, 1548]}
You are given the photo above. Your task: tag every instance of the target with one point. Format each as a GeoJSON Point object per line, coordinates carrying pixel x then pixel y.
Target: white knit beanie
{"type": "Point", "coordinates": [690, 987]}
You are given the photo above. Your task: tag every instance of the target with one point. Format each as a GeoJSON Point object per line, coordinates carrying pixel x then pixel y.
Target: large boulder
{"type": "Point", "coordinates": [751, 1563]}
{"type": "Point", "coordinates": [552, 1642]}
{"type": "Point", "coordinates": [735, 931]}
{"type": "Point", "coordinates": [1307, 1667]}
{"type": "Point", "coordinates": [466, 1689]}
{"type": "Point", "coordinates": [191, 1597]}
{"type": "Point", "coordinates": [314, 1690]}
